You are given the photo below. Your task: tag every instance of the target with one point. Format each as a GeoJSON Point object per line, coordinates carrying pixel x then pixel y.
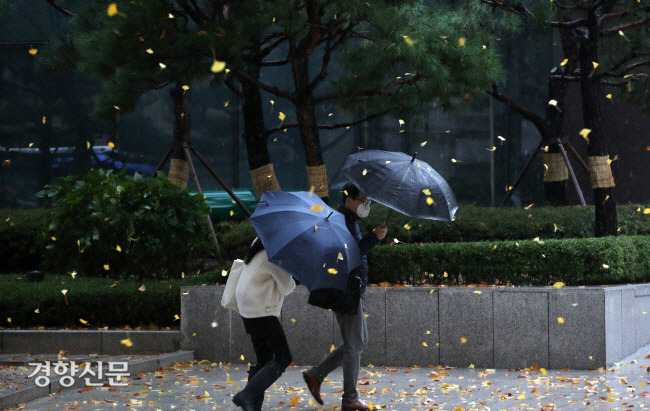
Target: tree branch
{"type": "Point", "coordinates": [566, 24]}
{"type": "Point", "coordinates": [385, 91]}
{"type": "Point", "coordinates": [270, 89]}
{"type": "Point", "coordinates": [632, 77]}
{"type": "Point", "coordinates": [525, 113]}
{"type": "Point", "coordinates": [615, 30]}
{"type": "Point", "coordinates": [57, 6]}
{"type": "Point", "coordinates": [626, 69]}
{"type": "Point", "coordinates": [270, 131]}
{"type": "Point", "coordinates": [275, 62]}
{"type": "Point", "coordinates": [625, 13]}
{"type": "Point", "coordinates": [516, 8]}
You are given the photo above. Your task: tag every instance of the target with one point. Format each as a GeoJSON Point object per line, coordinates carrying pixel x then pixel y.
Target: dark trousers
{"type": "Point", "coordinates": [269, 341]}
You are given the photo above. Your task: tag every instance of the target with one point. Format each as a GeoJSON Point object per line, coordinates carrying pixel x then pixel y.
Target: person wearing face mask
{"type": "Point", "coordinates": [353, 326]}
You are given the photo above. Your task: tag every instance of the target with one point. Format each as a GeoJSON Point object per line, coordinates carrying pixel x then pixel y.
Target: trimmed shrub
{"type": "Point", "coordinates": [117, 225]}
{"type": "Point", "coordinates": [584, 261]}
{"type": "Point", "coordinates": [99, 301]}
{"type": "Point", "coordinates": [19, 229]}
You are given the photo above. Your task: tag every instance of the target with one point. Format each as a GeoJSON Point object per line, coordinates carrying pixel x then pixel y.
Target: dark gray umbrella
{"type": "Point", "coordinates": [403, 183]}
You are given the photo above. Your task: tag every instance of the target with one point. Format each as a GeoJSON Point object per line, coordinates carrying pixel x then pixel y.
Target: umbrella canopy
{"type": "Point", "coordinates": [307, 238]}
{"type": "Point", "coordinates": [403, 183]}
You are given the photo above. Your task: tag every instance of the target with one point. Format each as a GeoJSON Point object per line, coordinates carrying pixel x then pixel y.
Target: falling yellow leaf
{"type": "Point", "coordinates": [282, 116]}
{"type": "Point", "coordinates": [554, 104]}
{"type": "Point", "coordinates": [218, 66]}
{"type": "Point", "coordinates": [112, 10]}
{"type": "Point", "coordinates": [492, 149]}
{"type": "Point", "coordinates": [107, 267]}
{"type": "Point", "coordinates": [176, 317]}
{"type": "Point", "coordinates": [339, 257]}
{"type": "Point", "coordinates": [427, 191]}
{"type": "Point", "coordinates": [364, 172]}
{"type": "Point", "coordinates": [453, 160]}
{"type": "Point", "coordinates": [87, 144]}
{"type": "Point", "coordinates": [171, 16]}
{"type": "Point", "coordinates": [64, 292]}
{"type": "Point", "coordinates": [149, 50]}
{"type": "Point", "coordinates": [224, 273]}
{"type": "Point", "coordinates": [118, 248]}
{"type": "Point", "coordinates": [408, 40]}
{"type": "Point", "coordinates": [560, 320]}
{"type": "Point", "coordinates": [463, 340]}
{"type": "Point", "coordinates": [293, 320]}
{"type": "Point", "coordinates": [605, 266]}
{"type": "Point", "coordinates": [430, 201]}
{"type": "Point", "coordinates": [242, 357]}
{"type": "Point", "coordinates": [425, 344]}
{"type": "Point", "coordinates": [33, 51]}
{"type": "Point", "coordinates": [332, 348]}
{"type": "Point", "coordinates": [111, 144]}
{"type": "Point", "coordinates": [316, 208]}
{"type": "Point", "coordinates": [646, 211]}
{"type": "Point", "coordinates": [401, 122]}
{"type": "Point", "coordinates": [186, 87]}
{"type": "Point", "coordinates": [232, 213]}
{"type": "Point", "coordinates": [595, 64]}
{"type": "Point", "coordinates": [37, 311]}
{"type": "Point", "coordinates": [162, 65]}
{"type": "Point", "coordinates": [332, 271]}
{"type": "Point", "coordinates": [522, 396]}
{"type": "Point", "coordinates": [6, 163]}
{"type": "Point", "coordinates": [445, 274]}
{"type": "Point", "coordinates": [478, 292]}
{"type": "Point", "coordinates": [422, 144]}
{"type": "Point", "coordinates": [44, 120]}
{"type": "Point", "coordinates": [406, 226]}
{"type": "Point", "coordinates": [142, 288]}
{"type": "Point", "coordinates": [461, 42]}
{"type": "Point", "coordinates": [127, 342]}
{"type": "Point", "coordinates": [73, 274]}
{"type": "Point", "coordinates": [558, 284]}
{"type": "Point", "coordinates": [8, 319]}
{"type": "Point", "coordinates": [564, 62]}
{"type": "Point", "coordinates": [609, 96]}
{"type": "Point", "coordinates": [53, 238]}
{"type": "Point", "coordinates": [81, 320]}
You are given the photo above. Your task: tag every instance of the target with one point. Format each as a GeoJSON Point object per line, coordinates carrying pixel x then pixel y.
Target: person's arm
{"type": "Point", "coordinates": [368, 241]}
{"type": "Point", "coordinates": [283, 279]}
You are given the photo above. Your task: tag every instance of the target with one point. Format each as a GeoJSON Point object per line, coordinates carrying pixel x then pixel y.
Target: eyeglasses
{"type": "Point", "coordinates": [364, 202]}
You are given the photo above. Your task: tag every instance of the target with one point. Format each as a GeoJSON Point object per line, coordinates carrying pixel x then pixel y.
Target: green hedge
{"type": "Point", "coordinates": [472, 223]}
{"type": "Point", "coordinates": [584, 261]}
{"type": "Point", "coordinates": [19, 230]}
{"type": "Point", "coordinates": [94, 300]}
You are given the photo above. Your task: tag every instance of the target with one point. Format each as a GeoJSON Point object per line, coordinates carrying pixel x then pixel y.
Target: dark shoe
{"type": "Point", "coordinates": [314, 386]}
{"type": "Point", "coordinates": [246, 403]}
{"type": "Point", "coordinates": [357, 405]}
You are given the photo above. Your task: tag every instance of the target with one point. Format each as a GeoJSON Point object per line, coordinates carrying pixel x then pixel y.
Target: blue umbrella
{"type": "Point", "coordinates": [403, 183]}
{"type": "Point", "coordinates": [307, 238]}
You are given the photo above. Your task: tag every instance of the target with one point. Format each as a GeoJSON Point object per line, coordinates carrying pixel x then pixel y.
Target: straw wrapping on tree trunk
{"type": "Point", "coordinates": [600, 172]}
{"type": "Point", "coordinates": [179, 171]}
{"type": "Point", "coordinates": [557, 169]}
{"type": "Point", "coordinates": [264, 179]}
{"type": "Point", "coordinates": [317, 178]}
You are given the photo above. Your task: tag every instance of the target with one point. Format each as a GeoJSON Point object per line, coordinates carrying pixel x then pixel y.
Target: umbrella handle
{"type": "Point", "coordinates": [390, 210]}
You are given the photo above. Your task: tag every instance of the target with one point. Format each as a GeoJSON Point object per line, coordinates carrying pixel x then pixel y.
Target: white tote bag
{"type": "Point", "coordinates": [229, 300]}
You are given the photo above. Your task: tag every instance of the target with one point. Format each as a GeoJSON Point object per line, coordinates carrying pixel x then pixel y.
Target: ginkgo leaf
{"type": "Point", "coordinates": [33, 51]}
{"type": "Point", "coordinates": [332, 348]}
{"type": "Point", "coordinates": [564, 62]}
{"type": "Point", "coordinates": [294, 400]}
{"type": "Point", "coordinates": [595, 65]}
{"type": "Point", "coordinates": [224, 273]}
{"type": "Point", "coordinates": [127, 342]}
{"type": "Point", "coordinates": [558, 284]}
{"type": "Point", "coordinates": [445, 274]}
{"type": "Point", "coordinates": [425, 344]}
{"type": "Point", "coordinates": [282, 116]}
{"type": "Point", "coordinates": [462, 41]}
{"type": "Point", "coordinates": [522, 396]}
{"type": "Point", "coordinates": [218, 66]}
{"type": "Point", "coordinates": [430, 201]}
{"type": "Point", "coordinates": [107, 267]}
{"type": "Point", "coordinates": [401, 122]}
{"type": "Point", "coordinates": [427, 191]}
{"type": "Point", "coordinates": [332, 270]}
{"type": "Point", "coordinates": [492, 149]}
{"type": "Point", "coordinates": [293, 320]}
{"type": "Point", "coordinates": [232, 213]}
{"type": "Point", "coordinates": [560, 320]}
{"type": "Point", "coordinates": [242, 357]}
{"type": "Point", "coordinates": [364, 172]}
{"type": "Point", "coordinates": [185, 87]}
{"type": "Point", "coordinates": [64, 292]}
{"type": "Point", "coordinates": [81, 320]}
{"type": "Point", "coordinates": [112, 10]}
{"type": "Point", "coordinates": [463, 340]}
{"type": "Point", "coordinates": [142, 288]}
{"type": "Point", "coordinates": [453, 160]}
{"type": "Point", "coordinates": [339, 257]}
{"type": "Point", "coordinates": [406, 226]}
{"type": "Point", "coordinates": [111, 144]}
{"type": "Point", "coordinates": [162, 65]}
{"type": "Point", "coordinates": [118, 248]}
{"type": "Point", "coordinates": [316, 208]}
{"type": "Point", "coordinates": [422, 144]}
{"type": "Point", "coordinates": [408, 40]}
{"type": "Point", "coordinates": [37, 311]}
{"type": "Point", "coordinates": [585, 133]}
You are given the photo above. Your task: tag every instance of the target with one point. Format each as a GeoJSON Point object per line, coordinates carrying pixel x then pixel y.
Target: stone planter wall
{"type": "Point", "coordinates": [503, 327]}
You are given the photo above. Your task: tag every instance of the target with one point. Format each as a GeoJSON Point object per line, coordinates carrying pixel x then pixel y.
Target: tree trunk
{"type": "Point", "coordinates": [179, 167]}
{"type": "Point", "coordinates": [602, 181]}
{"type": "Point", "coordinates": [557, 174]}
{"type": "Point", "coordinates": [259, 160]}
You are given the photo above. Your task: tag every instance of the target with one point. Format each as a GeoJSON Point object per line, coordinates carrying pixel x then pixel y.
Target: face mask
{"type": "Point", "coordinates": [363, 209]}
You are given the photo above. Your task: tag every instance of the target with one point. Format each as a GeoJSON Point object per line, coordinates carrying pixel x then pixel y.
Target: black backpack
{"type": "Point", "coordinates": [346, 302]}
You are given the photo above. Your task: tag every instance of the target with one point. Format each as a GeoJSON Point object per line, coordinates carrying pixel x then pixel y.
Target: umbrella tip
{"type": "Point", "coordinates": [414, 154]}
{"type": "Point", "coordinates": [331, 212]}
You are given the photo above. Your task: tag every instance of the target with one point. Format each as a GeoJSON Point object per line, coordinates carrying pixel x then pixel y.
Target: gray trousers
{"type": "Point", "coordinates": [355, 335]}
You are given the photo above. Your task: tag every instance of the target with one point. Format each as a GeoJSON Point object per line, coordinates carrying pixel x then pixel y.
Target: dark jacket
{"type": "Point", "coordinates": [365, 243]}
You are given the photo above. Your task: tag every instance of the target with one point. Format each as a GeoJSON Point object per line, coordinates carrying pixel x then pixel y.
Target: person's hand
{"type": "Point", "coordinates": [380, 231]}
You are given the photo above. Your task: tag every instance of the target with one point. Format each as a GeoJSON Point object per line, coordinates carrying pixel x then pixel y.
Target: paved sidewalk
{"type": "Point", "coordinates": [205, 386]}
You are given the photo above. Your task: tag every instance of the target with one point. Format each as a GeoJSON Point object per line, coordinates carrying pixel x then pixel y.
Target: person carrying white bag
{"type": "Point", "coordinates": [256, 289]}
